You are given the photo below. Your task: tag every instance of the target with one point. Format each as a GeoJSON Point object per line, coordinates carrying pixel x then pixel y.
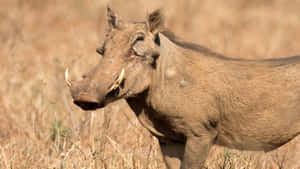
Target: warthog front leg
{"type": "Point", "coordinates": [196, 151]}
{"type": "Point", "coordinates": [173, 154]}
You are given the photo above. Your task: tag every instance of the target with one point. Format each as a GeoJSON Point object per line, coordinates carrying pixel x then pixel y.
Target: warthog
{"type": "Point", "coordinates": [190, 96]}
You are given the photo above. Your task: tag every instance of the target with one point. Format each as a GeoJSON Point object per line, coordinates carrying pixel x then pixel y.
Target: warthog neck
{"type": "Point", "coordinates": [179, 82]}
{"type": "Point", "coordinates": [181, 73]}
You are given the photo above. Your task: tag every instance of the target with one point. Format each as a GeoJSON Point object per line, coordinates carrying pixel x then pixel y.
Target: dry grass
{"type": "Point", "coordinates": [41, 128]}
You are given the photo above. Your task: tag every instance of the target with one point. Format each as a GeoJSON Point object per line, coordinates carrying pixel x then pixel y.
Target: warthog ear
{"type": "Point", "coordinates": [155, 21]}
{"type": "Point", "coordinates": [114, 21]}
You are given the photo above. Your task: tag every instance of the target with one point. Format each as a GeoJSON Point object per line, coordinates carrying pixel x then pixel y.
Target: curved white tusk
{"type": "Point", "coordinates": [118, 81]}
{"type": "Point", "coordinates": [67, 78]}
{"type": "Point", "coordinates": [121, 77]}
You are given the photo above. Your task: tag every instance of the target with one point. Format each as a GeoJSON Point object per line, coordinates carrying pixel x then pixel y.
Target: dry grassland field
{"type": "Point", "coordinates": [40, 127]}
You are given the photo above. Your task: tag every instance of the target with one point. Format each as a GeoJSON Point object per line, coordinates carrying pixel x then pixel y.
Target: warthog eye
{"type": "Point", "coordinates": [140, 36]}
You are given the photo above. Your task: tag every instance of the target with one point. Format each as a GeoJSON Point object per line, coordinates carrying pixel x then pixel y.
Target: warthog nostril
{"type": "Point", "coordinates": [87, 105]}
{"type": "Point", "coordinates": [87, 102]}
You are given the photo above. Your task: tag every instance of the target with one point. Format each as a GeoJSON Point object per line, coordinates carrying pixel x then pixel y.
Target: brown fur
{"type": "Point", "coordinates": [190, 97]}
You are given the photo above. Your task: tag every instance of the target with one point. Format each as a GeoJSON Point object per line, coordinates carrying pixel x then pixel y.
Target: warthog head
{"type": "Point", "coordinates": [129, 54]}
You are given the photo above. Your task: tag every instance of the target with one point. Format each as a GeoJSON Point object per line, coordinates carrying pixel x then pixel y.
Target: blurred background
{"type": "Point", "coordinates": [41, 128]}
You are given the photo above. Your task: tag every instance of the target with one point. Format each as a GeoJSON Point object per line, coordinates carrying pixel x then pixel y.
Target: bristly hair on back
{"type": "Point", "coordinates": [189, 45]}
{"type": "Point", "coordinates": [201, 49]}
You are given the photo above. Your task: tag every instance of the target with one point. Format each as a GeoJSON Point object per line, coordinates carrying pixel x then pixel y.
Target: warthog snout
{"type": "Point", "coordinates": [90, 97]}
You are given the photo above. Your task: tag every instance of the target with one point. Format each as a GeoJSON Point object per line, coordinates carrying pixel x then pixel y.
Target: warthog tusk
{"type": "Point", "coordinates": [67, 78]}
{"type": "Point", "coordinates": [118, 82]}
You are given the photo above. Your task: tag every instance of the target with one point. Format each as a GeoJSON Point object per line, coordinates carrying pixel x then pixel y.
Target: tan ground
{"type": "Point", "coordinates": [41, 128]}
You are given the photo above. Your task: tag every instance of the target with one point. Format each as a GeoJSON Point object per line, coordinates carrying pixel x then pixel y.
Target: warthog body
{"type": "Point", "coordinates": [190, 97]}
